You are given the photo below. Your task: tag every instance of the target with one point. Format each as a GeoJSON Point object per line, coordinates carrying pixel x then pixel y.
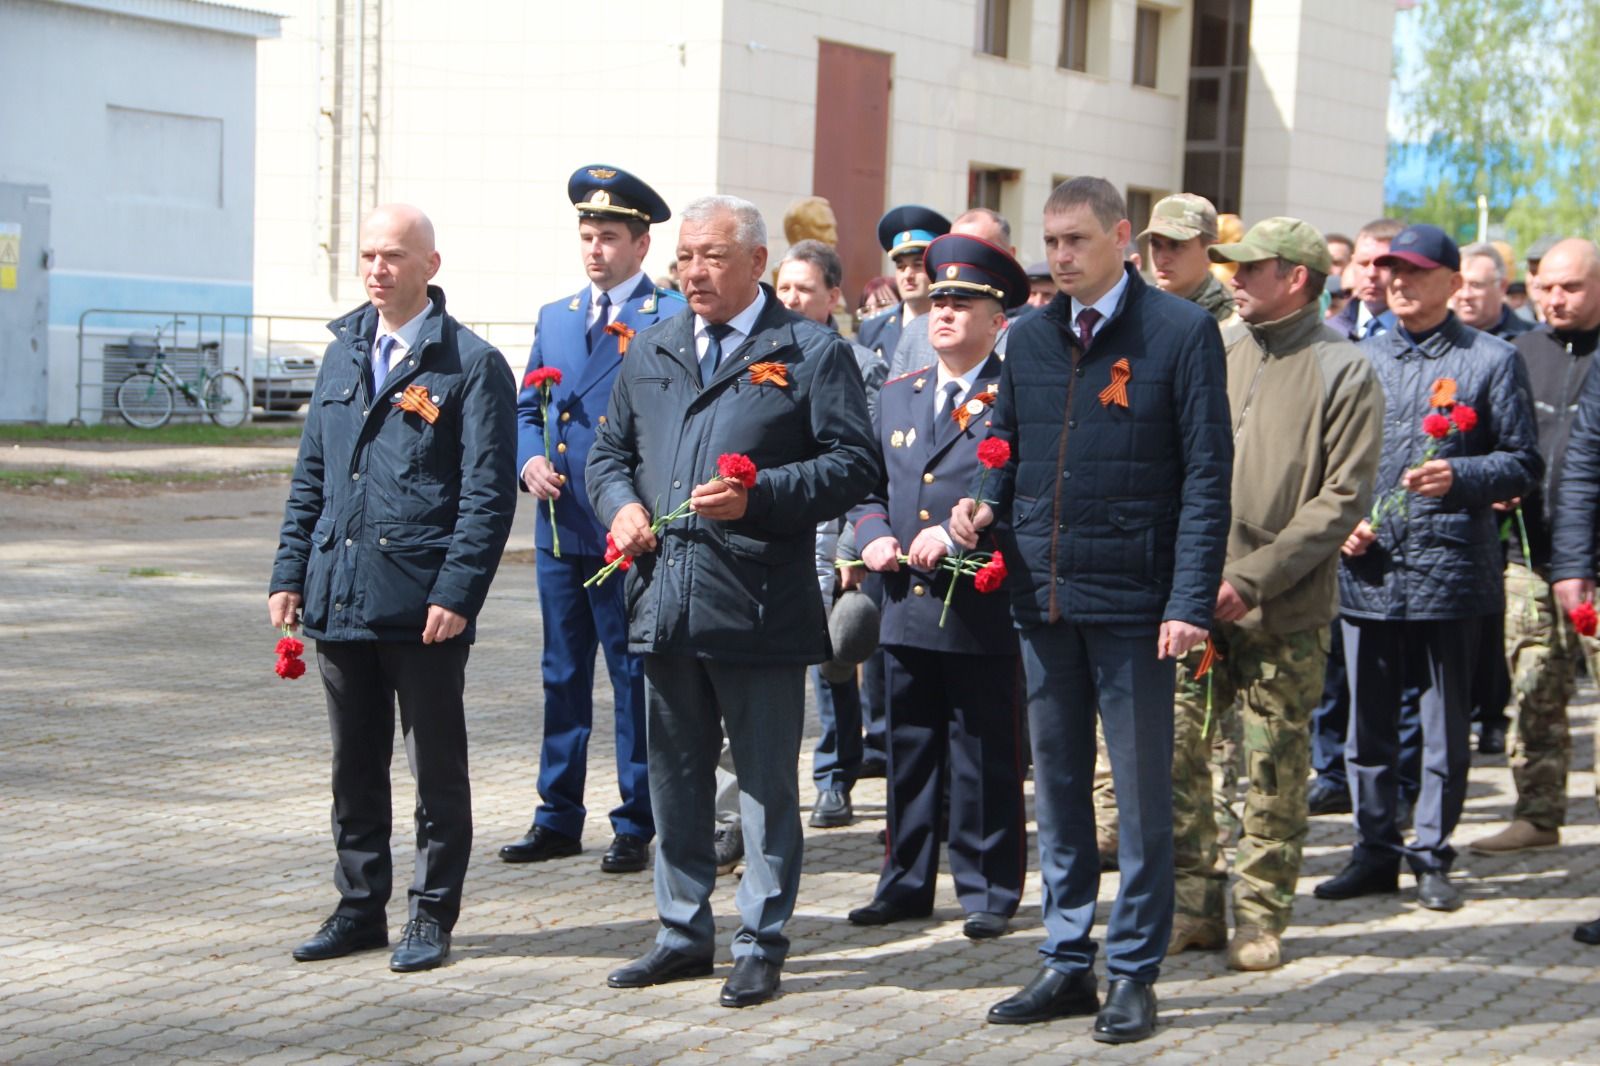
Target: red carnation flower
{"type": "Point", "coordinates": [1584, 619]}
{"type": "Point", "coordinates": [539, 375]}
{"type": "Point", "coordinates": [290, 667]}
{"type": "Point", "coordinates": [615, 554]}
{"type": "Point", "coordinates": [739, 469]}
{"type": "Point", "coordinates": [291, 647]}
{"type": "Point", "coordinates": [1464, 417]}
{"type": "Point", "coordinates": [1436, 426]}
{"type": "Point", "coordinates": [991, 574]}
{"type": "Point", "coordinates": [994, 453]}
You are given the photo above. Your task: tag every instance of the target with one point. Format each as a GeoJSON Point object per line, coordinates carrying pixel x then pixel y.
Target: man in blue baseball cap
{"type": "Point", "coordinates": [584, 336]}
{"type": "Point", "coordinates": [1425, 566]}
{"type": "Point", "coordinates": [904, 232]}
{"type": "Point", "coordinates": [951, 677]}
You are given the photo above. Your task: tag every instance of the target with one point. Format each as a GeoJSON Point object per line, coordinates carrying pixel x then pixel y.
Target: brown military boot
{"type": "Point", "coordinates": [1198, 934]}
{"type": "Point", "coordinates": [1520, 835]}
{"type": "Point", "coordinates": [1254, 948]}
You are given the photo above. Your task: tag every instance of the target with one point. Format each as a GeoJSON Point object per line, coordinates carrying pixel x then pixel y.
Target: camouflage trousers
{"type": "Point", "coordinates": [1275, 679]}
{"type": "Point", "coordinates": [1226, 727]}
{"type": "Point", "coordinates": [1544, 659]}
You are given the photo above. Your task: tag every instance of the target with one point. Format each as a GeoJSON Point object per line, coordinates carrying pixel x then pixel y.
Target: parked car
{"type": "Point", "coordinates": [283, 382]}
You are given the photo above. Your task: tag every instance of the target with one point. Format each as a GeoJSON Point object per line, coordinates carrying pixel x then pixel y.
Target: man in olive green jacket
{"type": "Point", "coordinates": [1308, 427]}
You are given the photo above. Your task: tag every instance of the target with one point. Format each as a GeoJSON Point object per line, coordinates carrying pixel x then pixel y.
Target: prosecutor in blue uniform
{"type": "Point", "coordinates": [585, 337]}
{"type": "Point", "coordinates": [904, 232]}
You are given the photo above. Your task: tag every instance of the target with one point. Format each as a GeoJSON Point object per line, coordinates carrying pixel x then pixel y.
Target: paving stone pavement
{"type": "Point", "coordinates": [165, 830]}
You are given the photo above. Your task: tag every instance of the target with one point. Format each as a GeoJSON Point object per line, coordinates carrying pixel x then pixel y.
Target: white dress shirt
{"type": "Point", "coordinates": [619, 295]}
{"type": "Point", "coordinates": [1105, 305]}
{"type": "Point", "coordinates": [741, 325]}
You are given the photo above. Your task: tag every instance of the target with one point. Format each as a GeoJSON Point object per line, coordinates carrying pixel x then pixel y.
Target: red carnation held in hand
{"type": "Point", "coordinates": [1436, 426]}
{"type": "Point", "coordinates": [1464, 417]}
{"type": "Point", "coordinates": [539, 375]}
{"type": "Point", "coordinates": [291, 647]}
{"type": "Point", "coordinates": [738, 469]}
{"type": "Point", "coordinates": [290, 667]}
{"type": "Point", "coordinates": [990, 576]}
{"type": "Point", "coordinates": [614, 554]}
{"type": "Point", "coordinates": [1584, 619]}
{"type": "Point", "coordinates": [994, 453]}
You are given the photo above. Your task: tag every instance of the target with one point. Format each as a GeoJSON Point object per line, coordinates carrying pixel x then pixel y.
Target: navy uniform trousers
{"type": "Point", "coordinates": [362, 680]}
{"type": "Point", "coordinates": [1070, 670]}
{"type": "Point", "coordinates": [954, 714]}
{"type": "Point", "coordinates": [1385, 659]}
{"type": "Point", "coordinates": [577, 621]}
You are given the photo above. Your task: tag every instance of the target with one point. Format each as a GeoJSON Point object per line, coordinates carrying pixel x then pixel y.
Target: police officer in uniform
{"type": "Point", "coordinates": [585, 336]}
{"type": "Point", "coordinates": [951, 680]}
{"type": "Point", "coordinates": [904, 232]}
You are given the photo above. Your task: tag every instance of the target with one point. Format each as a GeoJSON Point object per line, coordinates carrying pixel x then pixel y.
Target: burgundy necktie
{"type": "Point", "coordinates": [1086, 322]}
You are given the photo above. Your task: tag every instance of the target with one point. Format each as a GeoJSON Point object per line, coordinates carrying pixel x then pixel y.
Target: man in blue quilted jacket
{"type": "Point", "coordinates": [1113, 512]}
{"type": "Point", "coordinates": [1426, 564]}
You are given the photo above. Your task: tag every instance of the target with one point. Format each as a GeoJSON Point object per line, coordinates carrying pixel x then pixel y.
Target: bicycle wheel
{"type": "Point", "coordinates": [227, 399]}
{"type": "Point", "coordinates": [144, 400]}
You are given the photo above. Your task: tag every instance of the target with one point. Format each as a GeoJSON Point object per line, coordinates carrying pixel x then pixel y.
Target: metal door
{"type": "Point", "coordinates": [24, 302]}
{"type": "Point", "coordinates": [852, 145]}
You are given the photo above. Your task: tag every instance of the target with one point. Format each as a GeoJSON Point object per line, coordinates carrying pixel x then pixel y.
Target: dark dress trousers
{"type": "Point", "coordinates": [1115, 518]}
{"type": "Point", "coordinates": [577, 621]}
{"type": "Point", "coordinates": [387, 514]}
{"type": "Point", "coordinates": [727, 614]}
{"type": "Point", "coordinates": [952, 690]}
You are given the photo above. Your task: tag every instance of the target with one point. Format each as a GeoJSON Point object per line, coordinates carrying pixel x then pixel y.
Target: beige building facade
{"type": "Point", "coordinates": [478, 112]}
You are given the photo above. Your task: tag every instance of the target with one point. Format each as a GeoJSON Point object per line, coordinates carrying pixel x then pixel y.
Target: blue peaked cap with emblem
{"type": "Point", "coordinates": [961, 265]}
{"type": "Point", "coordinates": [607, 192]}
{"type": "Point", "coordinates": [910, 228]}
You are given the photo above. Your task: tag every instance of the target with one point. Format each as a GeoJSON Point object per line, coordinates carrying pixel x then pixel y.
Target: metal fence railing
{"type": "Point", "coordinates": [277, 355]}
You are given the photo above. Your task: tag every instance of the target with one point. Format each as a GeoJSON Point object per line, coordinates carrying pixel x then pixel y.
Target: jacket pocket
{"type": "Point", "coordinates": [319, 568]}
{"type": "Point", "coordinates": [402, 573]}
{"type": "Point", "coordinates": [768, 552]}
{"type": "Point", "coordinates": [1454, 529]}
{"type": "Point", "coordinates": [1146, 522]}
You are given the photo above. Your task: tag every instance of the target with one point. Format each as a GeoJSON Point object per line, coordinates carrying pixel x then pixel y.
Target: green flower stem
{"type": "Point", "coordinates": [555, 534]}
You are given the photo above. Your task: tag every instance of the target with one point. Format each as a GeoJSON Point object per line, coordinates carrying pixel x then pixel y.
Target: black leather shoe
{"type": "Point", "coordinates": [1129, 1014]}
{"type": "Point", "coordinates": [832, 810]}
{"type": "Point", "coordinates": [1587, 933]}
{"type": "Point", "coordinates": [1052, 994]}
{"type": "Point", "coordinates": [985, 925]}
{"type": "Point", "coordinates": [1359, 879]}
{"type": "Point", "coordinates": [541, 845]}
{"type": "Point", "coordinates": [423, 945]}
{"type": "Point", "coordinates": [658, 966]}
{"type": "Point", "coordinates": [753, 980]}
{"type": "Point", "coordinates": [339, 936]}
{"type": "Point", "coordinates": [883, 912]}
{"type": "Point", "coordinates": [1324, 798]}
{"type": "Point", "coordinates": [1435, 892]}
{"type": "Point", "coordinates": [1492, 741]}
{"type": "Point", "coordinates": [627, 854]}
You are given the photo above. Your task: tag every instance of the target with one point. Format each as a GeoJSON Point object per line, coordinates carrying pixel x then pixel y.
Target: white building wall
{"type": "Point", "coordinates": [144, 133]}
{"type": "Point", "coordinates": [1315, 126]}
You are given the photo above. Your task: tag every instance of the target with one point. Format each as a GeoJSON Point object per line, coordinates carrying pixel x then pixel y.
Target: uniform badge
{"type": "Point", "coordinates": [602, 173]}
{"type": "Point", "coordinates": [573, 306]}
{"type": "Point", "coordinates": [952, 272]}
{"type": "Point", "coordinates": [649, 305]}
{"type": "Point", "coordinates": [601, 197]}
{"type": "Point", "coordinates": [897, 439]}
{"type": "Point", "coordinates": [917, 384]}
{"type": "Point", "coordinates": [992, 388]}
{"type": "Point", "coordinates": [911, 436]}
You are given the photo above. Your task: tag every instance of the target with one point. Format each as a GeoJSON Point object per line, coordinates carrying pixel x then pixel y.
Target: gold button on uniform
{"type": "Point", "coordinates": [923, 514]}
{"type": "Point", "coordinates": [562, 447]}
{"type": "Point", "coordinates": [918, 590]}
{"type": "Point", "coordinates": [566, 416]}
{"type": "Point", "coordinates": [927, 479]}
{"type": "Point", "coordinates": [602, 420]}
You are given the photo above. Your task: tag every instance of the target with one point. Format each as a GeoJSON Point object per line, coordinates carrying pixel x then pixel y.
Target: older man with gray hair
{"type": "Point", "coordinates": [1481, 300]}
{"type": "Point", "coordinates": [723, 603]}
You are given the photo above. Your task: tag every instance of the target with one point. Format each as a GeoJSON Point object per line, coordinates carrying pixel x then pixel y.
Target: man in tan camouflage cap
{"type": "Point", "coordinates": [1290, 379]}
{"type": "Point", "coordinates": [1181, 228]}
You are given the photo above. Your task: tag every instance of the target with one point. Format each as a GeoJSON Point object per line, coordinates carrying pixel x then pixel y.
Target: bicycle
{"type": "Point", "coordinates": [146, 398]}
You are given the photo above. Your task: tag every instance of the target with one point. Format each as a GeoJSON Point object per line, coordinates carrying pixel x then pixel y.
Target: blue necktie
{"type": "Point", "coordinates": [380, 362]}
{"type": "Point", "coordinates": [601, 320]}
{"type": "Point", "coordinates": [713, 356]}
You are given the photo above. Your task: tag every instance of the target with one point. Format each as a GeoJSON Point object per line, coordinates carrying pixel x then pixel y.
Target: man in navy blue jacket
{"type": "Point", "coordinates": [583, 338]}
{"type": "Point", "coordinates": [399, 508]}
{"type": "Point", "coordinates": [1114, 513]}
{"type": "Point", "coordinates": [951, 677]}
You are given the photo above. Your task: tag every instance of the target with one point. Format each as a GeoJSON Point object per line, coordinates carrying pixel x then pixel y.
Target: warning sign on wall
{"type": "Point", "coordinates": [10, 253]}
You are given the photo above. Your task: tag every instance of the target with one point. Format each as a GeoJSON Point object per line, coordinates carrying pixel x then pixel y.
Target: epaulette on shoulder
{"type": "Point", "coordinates": [910, 374]}
{"type": "Point", "coordinates": [880, 312]}
{"type": "Point", "coordinates": [671, 295]}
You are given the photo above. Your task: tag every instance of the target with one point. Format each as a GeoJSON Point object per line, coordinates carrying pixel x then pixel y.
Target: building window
{"type": "Point", "coordinates": [1219, 59]}
{"type": "Point", "coordinates": [1074, 35]}
{"type": "Point", "coordinates": [1140, 203]}
{"type": "Point", "coordinates": [1146, 47]}
{"type": "Point", "coordinates": [994, 27]}
{"type": "Point", "coordinates": [994, 188]}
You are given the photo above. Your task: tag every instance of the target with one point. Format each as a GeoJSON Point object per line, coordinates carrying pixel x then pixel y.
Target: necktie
{"type": "Point", "coordinates": [952, 389]}
{"type": "Point", "coordinates": [601, 321]}
{"type": "Point", "coordinates": [1086, 322]}
{"type": "Point", "coordinates": [713, 356]}
{"type": "Point", "coordinates": [380, 362]}
{"type": "Point", "coordinates": [1372, 328]}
